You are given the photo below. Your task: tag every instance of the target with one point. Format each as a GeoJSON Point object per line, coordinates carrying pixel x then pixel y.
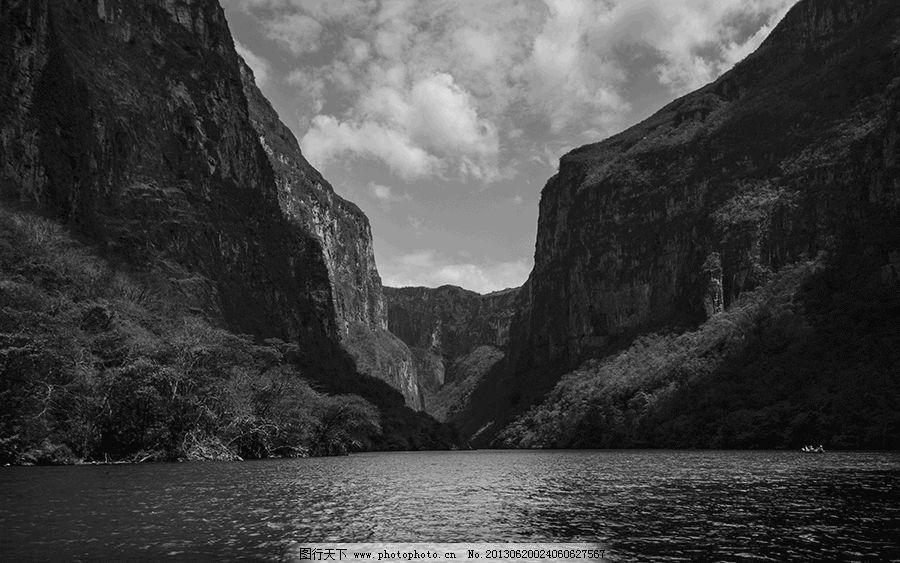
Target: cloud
{"type": "Point", "coordinates": [416, 224]}
{"type": "Point", "coordinates": [417, 128]}
{"type": "Point", "coordinates": [357, 50]}
{"type": "Point", "coordinates": [580, 67]}
{"type": "Point", "coordinates": [309, 90]}
{"type": "Point", "coordinates": [346, 12]}
{"type": "Point", "coordinates": [381, 192]}
{"type": "Point", "coordinates": [428, 268]}
{"type": "Point", "coordinates": [695, 40]}
{"type": "Point", "coordinates": [567, 80]}
{"type": "Point", "coordinates": [473, 90]}
{"type": "Point", "coordinates": [329, 138]}
{"type": "Point", "coordinates": [248, 5]}
{"type": "Point", "coordinates": [461, 86]}
{"type": "Point", "coordinates": [299, 33]}
{"type": "Point", "coordinates": [734, 51]}
{"type": "Point", "coordinates": [386, 195]}
{"type": "Point", "coordinates": [443, 117]}
{"type": "Point", "coordinates": [260, 67]}
{"type": "Point", "coordinates": [440, 116]}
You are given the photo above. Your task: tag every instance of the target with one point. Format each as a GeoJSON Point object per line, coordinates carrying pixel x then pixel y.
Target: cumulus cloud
{"type": "Point", "coordinates": [578, 71]}
{"type": "Point", "coordinates": [480, 90]}
{"type": "Point", "coordinates": [565, 62]}
{"type": "Point", "coordinates": [441, 77]}
{"type": "Point", "coordinates": [346, 12]}
{"type": "Point", "coordinates": [299, 33]}
{"type": "Point", "coordinates": [381, 192]}
{"type": "Point", "coordinates": [431, 269]}
{"type": "Point", "coordinates": [260, 67]}
{"type": "Point", "coordinates": [417, 128]}
{"type": "Point", "coordinates": [248, 5]}
{"type": "Point", "coordinates": [357, 51]}
{"type": "Point", "coordinates": [695, 40]}
{"type": "Point", "coordinates": [566, 80]}
{"type": "Point", "coordinates": [443, 116]}
{"type": "Point", "coordinates": [328, 138]}
{"type": "Point", "coordinates": [386, 195]}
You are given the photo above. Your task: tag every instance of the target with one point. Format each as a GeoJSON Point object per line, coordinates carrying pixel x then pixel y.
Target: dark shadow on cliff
{"type": "Point", "coordinates": [811, 358]}
{"type": "Point", "coordinates": [826, 372]}
{"type": "Point", "coordinates": [402, 427]}
{"type": "Point", "coordinates": [100, 362]}
{"type": "Point", "coordinates": [723, 198]}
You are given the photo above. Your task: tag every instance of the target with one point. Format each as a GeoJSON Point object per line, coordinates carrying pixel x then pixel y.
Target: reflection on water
{"type": "Point", "coordinates": [638, 504]}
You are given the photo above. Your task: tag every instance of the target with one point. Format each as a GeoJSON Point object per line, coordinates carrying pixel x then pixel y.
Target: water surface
{"type": "Point", "coordinates": [639, 505]}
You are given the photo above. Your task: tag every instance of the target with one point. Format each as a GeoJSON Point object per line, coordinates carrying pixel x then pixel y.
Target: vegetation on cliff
{"type": "Point", "coordinates": [644, 236]}
{"type": "Point", "coordinates": [456, 336]}
{"type": "Point", "coordinates": [100, 364]}
{"type": "Point", "coordinates": [128, 123]}
{"type": "Point", "coordinates": [803, 359]}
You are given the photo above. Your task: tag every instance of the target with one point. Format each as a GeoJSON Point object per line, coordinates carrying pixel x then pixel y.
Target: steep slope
{"type": "Point", "coordinates": [97, 363]}
{"type": "Point", "coordinates": [109, 124]}
{"type": "Point", "coordinates": [128, 122]}
{"type": "Point", "coordinates": [791, 156]}
{"type": "Point", "coordinates": [342, 229]}
{"type": "Point", "coordinates": [456, 337]}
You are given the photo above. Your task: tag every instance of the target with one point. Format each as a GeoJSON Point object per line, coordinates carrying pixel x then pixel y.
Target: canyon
{"type": "Point", "coordinates": [456, 336]}
{"type": "Point", "coordinates": [725, 273]}
{"type": "Point", "coordinates": [138, 128]}
{"type": "Point", "coordinates": [791, 157]}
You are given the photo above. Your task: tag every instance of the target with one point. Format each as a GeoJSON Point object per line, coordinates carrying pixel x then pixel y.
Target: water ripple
{"type": "Point", "coordinates": [669, 506]}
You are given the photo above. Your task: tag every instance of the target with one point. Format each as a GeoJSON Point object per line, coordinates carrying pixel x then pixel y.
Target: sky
{"type": "Point", "coordinates": [443, 119]}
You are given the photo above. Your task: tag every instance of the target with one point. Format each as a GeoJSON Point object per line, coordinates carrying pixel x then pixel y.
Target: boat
{"type": "Point", "coordinates": [813, 449]}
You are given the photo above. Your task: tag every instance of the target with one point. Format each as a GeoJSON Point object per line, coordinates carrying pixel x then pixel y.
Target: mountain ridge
{"type": "Point", "coordinates": [668, 223]}
{"type": "Point", "coordinates": [456, 336]}
{"type": "Point", "coordinates": [129, 123]}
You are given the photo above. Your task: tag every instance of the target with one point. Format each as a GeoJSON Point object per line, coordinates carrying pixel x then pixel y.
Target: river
{"type": "Point", "coordinates": [638, 505]}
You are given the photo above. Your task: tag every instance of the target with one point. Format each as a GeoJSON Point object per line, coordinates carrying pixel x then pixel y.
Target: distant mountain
{"type": "Point", "coordinates": [138, 127]}
{"type": "Point", "coordinates": [751, 232]}
{"type": "Point", "coordinates": [456, 336]}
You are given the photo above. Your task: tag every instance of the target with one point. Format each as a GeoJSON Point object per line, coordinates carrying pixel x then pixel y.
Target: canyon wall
{"type": "Point", "coordinates": [456, 337]}
{"type": "Point", "coordinates": [790, 156]}
{"type": "Point", "coordinates": [137, 125]}
{"type": "Point", "coordinates": [343, 231]}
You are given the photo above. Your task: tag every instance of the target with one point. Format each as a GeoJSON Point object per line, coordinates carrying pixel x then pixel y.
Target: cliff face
{"type": "Point", "coordinates": [343, 231]}
{"type": "Point", "coordinates": [137, 125]}
{"type": "Point", "coordinates": [108, 125]}
{"type": "Point", "coordinates": [309, 200]}
{"type": "Point", "coordinates": [456, 337]}
{"type": "Point", "coordinates": [791, 155]}
{"type": "Point", "coordinates": [449, 320]}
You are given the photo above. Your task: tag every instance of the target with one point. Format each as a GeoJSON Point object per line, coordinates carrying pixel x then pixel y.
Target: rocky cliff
{"type": "Point", "coordinates": [449, 320]}
{"type": "Point", "coordinates": [456, 337]}
{"type": "Point", "coordinates": [343, 231]}
{"type": "Point", "coordinates": [791, 155]}
{"type": "Point", "coordinates": [135, 125]}
{"type": "Point", "coordinates": [108, 124]}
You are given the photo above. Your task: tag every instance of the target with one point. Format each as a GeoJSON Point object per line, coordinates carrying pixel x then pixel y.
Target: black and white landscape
{"type": "Point", "coordinates": [715, 284]}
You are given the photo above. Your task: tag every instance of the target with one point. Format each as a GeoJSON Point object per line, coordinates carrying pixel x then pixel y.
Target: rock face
{"type": "Point", "coordinates": [107, 126]}
{"type": "Point", "coordinates": [449, 320]}
{"type": "Point", "coordinates": [309, 200]}
{"type": "Point", "coordinates": [137, 125]}
{"type": "Point", "coordinates": [792, 154]}
{"type": "Point", "coordinates": [343, 231]}
{"type": "Point", "coordinates": [456, 336]}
